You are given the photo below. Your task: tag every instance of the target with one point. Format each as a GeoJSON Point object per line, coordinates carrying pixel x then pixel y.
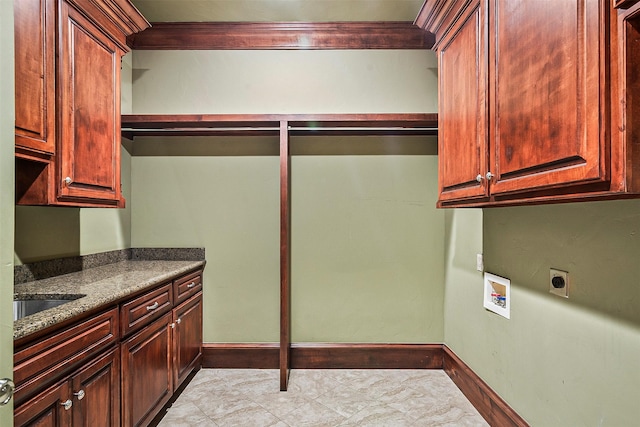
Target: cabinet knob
{"type": "Point", "coordinates": [67, 180]}
{"type": "Point", "coordinates": [179, 321]}
{"type": "Point", "coordinates": [79, 395]}
{"type": "Point", "coordinates": [172, 325]}
{"type": "Point", "coordinates": [153, 306]}
{"type": "Point", "coordinates": [490, 176]}
{"type": "Point", "coordinates": [191, 285]}
{"type": "Point", "coordinates": [67, 404]}
{"type": "Point", "coordinates": [479, 178]}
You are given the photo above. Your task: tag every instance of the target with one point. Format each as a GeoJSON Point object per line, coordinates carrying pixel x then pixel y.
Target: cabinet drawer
{"type": "Point", "coordinates": [187, 286]}
{"type": "Point", "coordinates": [47, 360]}
{"type": "Point", "coordinates": [145, 308]}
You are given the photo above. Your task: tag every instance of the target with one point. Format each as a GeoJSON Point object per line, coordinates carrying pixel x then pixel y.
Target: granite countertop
{"type": "Point", "coordinates": [95, 287]}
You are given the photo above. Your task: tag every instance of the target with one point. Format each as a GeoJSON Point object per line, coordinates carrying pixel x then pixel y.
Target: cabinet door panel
{"type": "Point", "coordinates": [548, 96]}
{"type": "Point", "coordinates": [462, 129]}
{"type": "Point", "coordinates": [45, 410]}
{"type": "Point", "coordinates": [99, 384]}
{"type": "Point", "coordinates": [90, 118]}
{"type": "Point", "coordinates": [35, 74]}
{"type": "Point", "coordinates": [147, 375]}
{"type": "Point", "coordinates": [187, 338]}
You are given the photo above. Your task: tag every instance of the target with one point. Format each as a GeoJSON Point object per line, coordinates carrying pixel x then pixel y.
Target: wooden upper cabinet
{"type": "Point", "coordinates": [548, 96]}
{"type": "Point", "coordinates": [462, 128]}
{"type": "Point", "coordinates": [89, 88]}
{"type": "Point", "coordinates": [543, 110]}
{"type": "Point", "coordinates": [34, 38]}
{"type": "Point", "coordinates": [68, 57]}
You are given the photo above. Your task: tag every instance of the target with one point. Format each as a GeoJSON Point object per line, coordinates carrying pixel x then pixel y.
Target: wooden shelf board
{"type": "Point", "coordinates": [268, 124]}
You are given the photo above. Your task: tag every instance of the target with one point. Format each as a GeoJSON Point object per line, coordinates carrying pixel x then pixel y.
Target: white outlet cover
{"type": "Point", "coordinates": [479, 262]}
{"type": "Point", "coordinates": [497, 294]}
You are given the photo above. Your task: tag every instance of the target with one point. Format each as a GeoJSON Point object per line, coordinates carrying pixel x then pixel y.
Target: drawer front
{"type": "Point", "coordinates": [47, 360]}
{"type": "Point", "coordinates": [187, 286]}
{"type": "Point", "coordinates": [144, 309]}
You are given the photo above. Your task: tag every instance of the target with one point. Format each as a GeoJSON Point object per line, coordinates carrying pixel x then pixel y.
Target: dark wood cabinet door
{"type": "Point", "coordinates": [34, 38]}
{"type": "Point", "coordinates": [187, 338]}
{"type": "Point", "coordinates": [46, 409]}
{"type": "Point", "coordinates": [462, 128]}
{"type": "Point", "coordinates": [147, 372]}
{"type": "Point", "coordinates": [548, 109]}
{"type": "Point", "coordinates": [96, 393]}
{"type": "Point", "coordinates": [89, 93]}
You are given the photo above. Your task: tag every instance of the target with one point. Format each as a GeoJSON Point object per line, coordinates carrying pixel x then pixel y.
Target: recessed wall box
{"type": "Point", "coordinates": [559, 283]}
{"type": "Point", "coordinates": [497, 294]}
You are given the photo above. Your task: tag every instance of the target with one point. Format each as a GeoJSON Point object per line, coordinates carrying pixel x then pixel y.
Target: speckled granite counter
{"type": "Point", "coordinates": [96, 287]}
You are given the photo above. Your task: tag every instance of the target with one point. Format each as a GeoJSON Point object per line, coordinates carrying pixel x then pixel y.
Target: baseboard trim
{"type": "Point", "coordinates": [241, 356]}
{"type": "Point", "coordinates": [324, 356]}
{"type": "Point", "coordinates": [491, 406]}
{"type": "Point", "coordinates": [366, 356]}
{"type": "Point", "coordinates": [369, 356]}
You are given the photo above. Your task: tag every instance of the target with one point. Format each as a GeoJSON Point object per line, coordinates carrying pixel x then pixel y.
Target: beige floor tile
{"type": "Point", "coordinates": [313, 414]}
{"type": "Point", "coordinates": [327, 398]}
{"type": "Point", "coordinates": [379, 415]}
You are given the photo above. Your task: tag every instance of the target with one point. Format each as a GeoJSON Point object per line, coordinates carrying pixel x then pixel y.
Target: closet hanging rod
{"type": "Point", "coordinates": [201, 129]}
{"type": "Point", "coordinates": [362, 128]}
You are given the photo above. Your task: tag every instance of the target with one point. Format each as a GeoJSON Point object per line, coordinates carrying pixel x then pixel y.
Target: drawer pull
{"type": "Point", "coordinates": [153, 306]}
{"type": "Point", "coordinates": [191, 285]}
{"type": "Point", "coordinates": [79, 395]}
{"type": "Point", "coordinates": [67, 404]}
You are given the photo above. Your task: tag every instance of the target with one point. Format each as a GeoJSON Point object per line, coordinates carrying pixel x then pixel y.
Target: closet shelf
{"type": "Point", "coordinates": [269, 124]}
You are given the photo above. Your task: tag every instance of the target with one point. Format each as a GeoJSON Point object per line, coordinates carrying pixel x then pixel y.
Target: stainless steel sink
{"type": "Point", "coordinates": [27, 307]}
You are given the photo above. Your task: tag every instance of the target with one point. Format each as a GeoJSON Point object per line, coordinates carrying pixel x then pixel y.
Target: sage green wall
{"type": "Point", "coordinates": [7, 119]}
{"type": "Point", "coordinates": [314, 81]}
{"type": "Point", "coordinates": [366, 237]}
{"type": "Point", "coordinates": [367, 249]}
{"type": "Point", "coordinates": [229, 205]}
{"type": "Point", "coordinates": [558, 362]}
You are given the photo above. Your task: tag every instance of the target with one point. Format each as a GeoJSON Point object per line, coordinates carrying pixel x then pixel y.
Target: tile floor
{"type": "Point", "coordinates": [250, 397]}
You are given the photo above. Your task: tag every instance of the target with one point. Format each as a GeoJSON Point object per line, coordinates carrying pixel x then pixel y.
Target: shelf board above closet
{"type": "Point", "coordinates": [269, 124]}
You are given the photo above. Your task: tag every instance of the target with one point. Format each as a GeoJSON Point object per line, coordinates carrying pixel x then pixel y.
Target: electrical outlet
{"type": "Point", "coordinates": [479, 262]}
{"type": "Point", "coordinates": [559, 283]}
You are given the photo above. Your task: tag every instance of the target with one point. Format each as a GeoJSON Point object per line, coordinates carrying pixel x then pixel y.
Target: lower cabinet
{"type": "Point", "coordinates": [95, 373]}
{"type": "Point", "coordinates": [157, 359]}
{"type": "Point", "coordinates": [46, 409]}
{"type": "Point", "coordinates": [96, 393]}
{"type": "Point", "coordinates": [147, 379]}
{"type": "Point", "coordinates": [187, 338]}
{"type": "Point", "coordinates": [91, 397]}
